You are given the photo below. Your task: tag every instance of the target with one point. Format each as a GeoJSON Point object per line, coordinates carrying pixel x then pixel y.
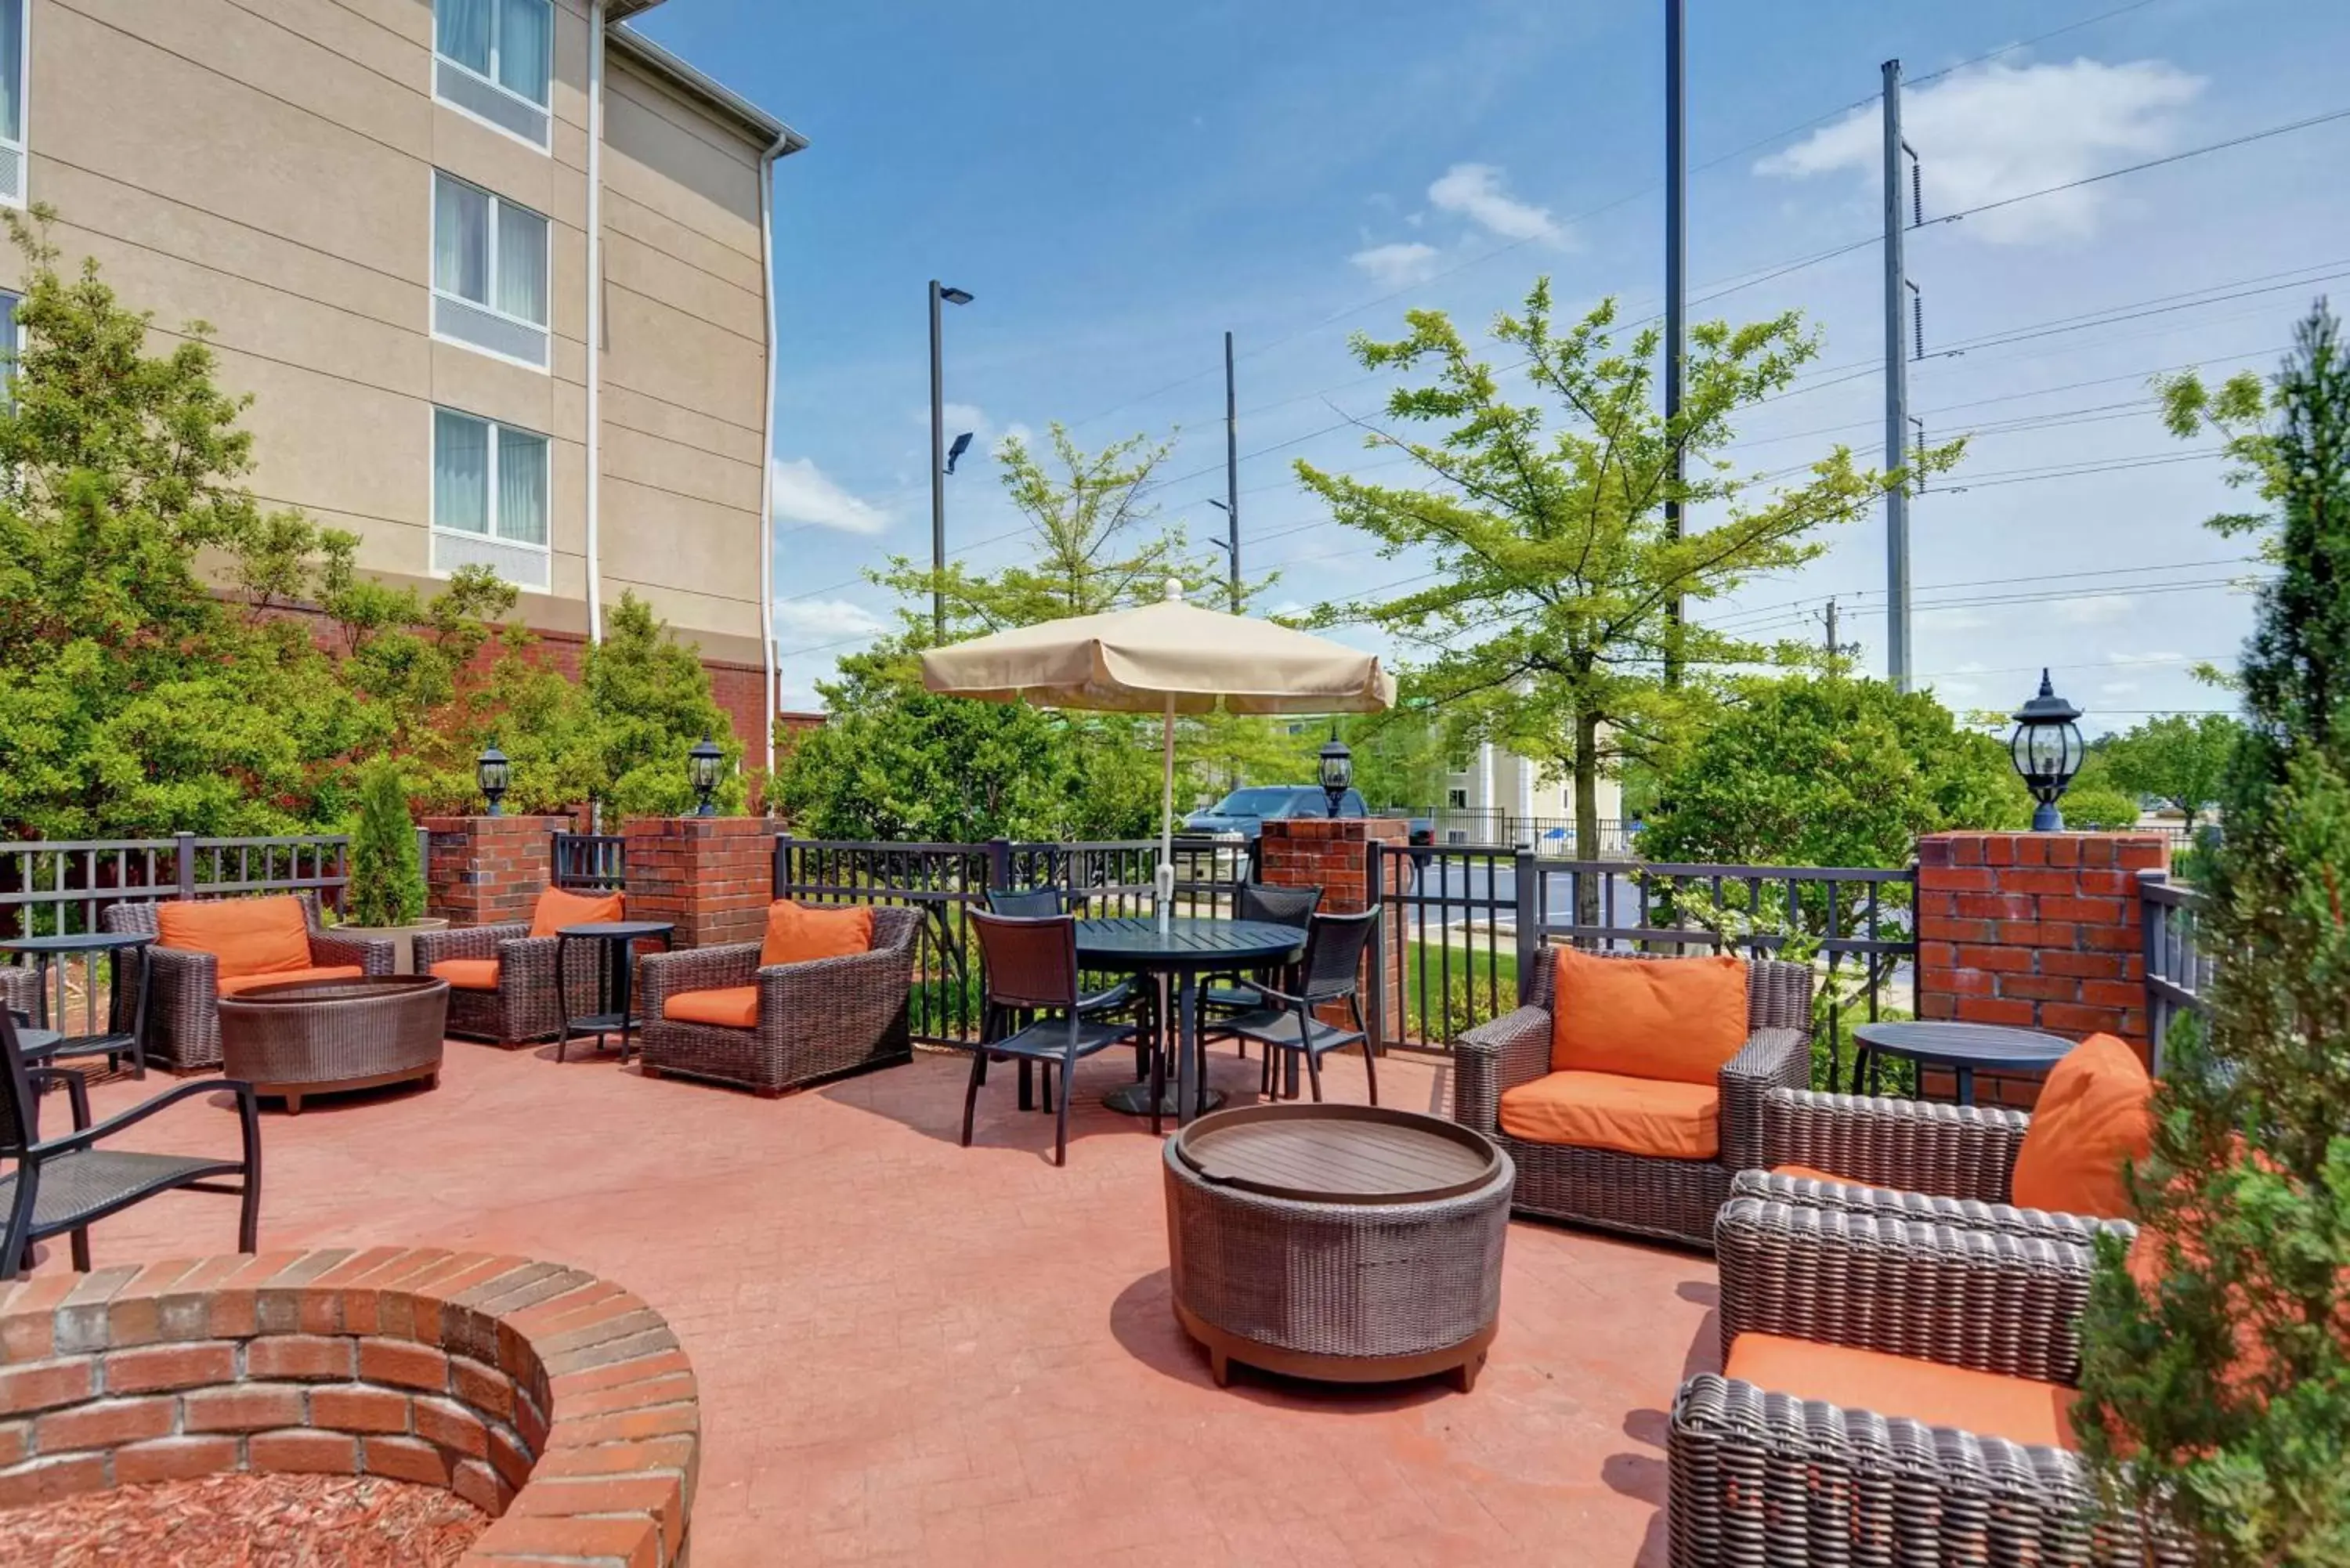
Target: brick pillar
{"type": "Point", "coordinates": [2037, 930]}
{"type": "Point", "coordinates": [710, 877]}
{"type": "Point", "coordinates": [1335, 855]}
{"type": "Point", "coordinates": [480, 870]}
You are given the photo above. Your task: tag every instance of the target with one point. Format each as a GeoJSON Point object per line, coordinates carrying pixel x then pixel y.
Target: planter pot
{"type": "Point", "coordinates": [402, 938]}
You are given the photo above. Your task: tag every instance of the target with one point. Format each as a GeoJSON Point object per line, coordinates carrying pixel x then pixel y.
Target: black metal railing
{"type": "Point", "coordinates": [2178, 970]}
{"type": "Point", "coordinates": [49, 889]}
{"type": "Point", "coordinates": [589, 862]}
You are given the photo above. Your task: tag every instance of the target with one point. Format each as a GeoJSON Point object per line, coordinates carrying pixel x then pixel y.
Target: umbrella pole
{"type": "Point", "coordinates": [1165, 881]}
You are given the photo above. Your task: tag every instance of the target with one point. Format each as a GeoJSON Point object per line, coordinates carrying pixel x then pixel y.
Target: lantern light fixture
{"type": "Point", "coordinates": [704, 764]}
{"type": "Point", "coordinates": [2048, 750]}
{"type": "Point", "coordinates": [1337, 765]}
{"type": "Point", "coordinates": [494, 774]}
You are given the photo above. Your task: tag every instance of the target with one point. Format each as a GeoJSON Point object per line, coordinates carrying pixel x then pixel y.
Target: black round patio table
{"type": "Point", "coordinates": [1175, 958]}
{"type": "Point", "coordinates": [126, 1031]}
{"type": "Point", "coordinates": [1962, 1047]}
{"type": "Point", "coordinates": [615, 942]}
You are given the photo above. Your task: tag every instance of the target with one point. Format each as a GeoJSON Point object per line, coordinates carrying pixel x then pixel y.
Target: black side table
{"type": "Point", "coordinates": [1962, 1047]}
{"type": "Point", "coordinates": [126, 1031]}
{"type": "Point", "coordinates": [615, 942]}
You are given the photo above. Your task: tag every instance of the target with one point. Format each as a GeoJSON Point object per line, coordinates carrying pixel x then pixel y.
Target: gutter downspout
{"type": "Point", "coordinates": [772, 674]}
{"type": "Point", "coordinates": [594, 315]}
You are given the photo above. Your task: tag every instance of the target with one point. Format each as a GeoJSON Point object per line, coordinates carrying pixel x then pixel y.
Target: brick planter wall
{"type": "Point", "coordinates": [1335, 855]}
{"type": "Point", "coordinates": [556, 1403]}
{"type": "Point", "coordinates": [484, 870]}
{"type": "Point", "coordinates": [710, 877]}
{"type": "Point", "coordinates": [2037, 930]}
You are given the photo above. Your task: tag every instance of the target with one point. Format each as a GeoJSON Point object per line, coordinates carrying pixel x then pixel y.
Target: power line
{"type": "Point", "coordinates": [2027, 43]}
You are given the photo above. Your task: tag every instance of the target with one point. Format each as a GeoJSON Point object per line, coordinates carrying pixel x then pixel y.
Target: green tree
{"type": "Point", "coordinates": [1828, 771]}
{"type": "Point", "coordinates": [2179, 759]}
{"type": "Point", "coordinates": [387, 886]}
{"type": "Point", "coordinates": [1548, 625]}
{"type": "Point", "coordinates": [2219, 1398]}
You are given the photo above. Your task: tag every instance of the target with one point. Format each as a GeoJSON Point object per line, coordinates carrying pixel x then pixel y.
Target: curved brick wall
{"type": "Point", "coordinates": [558, 1404]}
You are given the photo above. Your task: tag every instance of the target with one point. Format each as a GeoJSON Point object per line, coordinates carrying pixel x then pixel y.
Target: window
{"type": "Point", "coordinates": [13, 82]}
{"type": "Point", "coordinates": [1456, 800]}
{"type": "Point", "coordinates": [496, 61]}
{"type": "Point", "coordinates": [489, 273]}
{"type": "Point", "coordinates": [489, 498]}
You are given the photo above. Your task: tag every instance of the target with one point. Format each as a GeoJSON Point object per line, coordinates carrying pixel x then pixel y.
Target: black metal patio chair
{"type": "Point", "coordinates": [65, 1184]}
{"type": "Point", "coordinates": [1225, 995]}
{"type": "Point", "coordinates": [1042, 902]}
{"type": "Point", "coordinates": [1032, 969]}
{"type": "Point", "coordinates": [1284, 1020]}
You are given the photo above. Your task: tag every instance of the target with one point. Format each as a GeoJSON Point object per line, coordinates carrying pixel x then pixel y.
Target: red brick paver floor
{"type": "Point", "coordinates": [914, 1352]}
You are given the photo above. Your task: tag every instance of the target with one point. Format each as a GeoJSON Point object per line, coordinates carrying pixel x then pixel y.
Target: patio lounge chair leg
{"type": "Point", "coordinates": [971, 1093]}
{"type": "Point", "coordinates": [1313, 1071]}
{"type": "Point", "coordinates": [1027, 1085]}
{"type": "Point", "coordinates": [1061, 1128]}
{"type": "Point", "coordinates": [81, 1250]}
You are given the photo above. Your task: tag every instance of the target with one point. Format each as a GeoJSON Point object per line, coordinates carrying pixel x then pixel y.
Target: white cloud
{"type": "Point", "coordinates": [2118, 689]}
{"type": "Point", "coordinates": [804, 495]}
{"type": "Point", "coordinates": [960, 417]}
{"type": "Point", "coordinates": [2096, 610]}
{"type": "Point", "coordinates": [1395, 266]}
{"type": "Point", "coordinates": [811, 621]}
{"type": "Point", "coordinates": [2000, 131]}
{"type": "Point", "coordinates": [1474, 190]}
{"type": "Point", "coordinates": [2162, 658]}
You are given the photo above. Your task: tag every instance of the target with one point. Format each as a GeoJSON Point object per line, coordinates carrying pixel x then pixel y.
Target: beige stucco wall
{"type": "Point", "coordinates": [271, 175]}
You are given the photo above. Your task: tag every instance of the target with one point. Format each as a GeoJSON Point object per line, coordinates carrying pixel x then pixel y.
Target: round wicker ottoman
{"type": "Point", "coordinates": [1346, 1243]}
{"type": "Point", "coordinates": [317, 1036]}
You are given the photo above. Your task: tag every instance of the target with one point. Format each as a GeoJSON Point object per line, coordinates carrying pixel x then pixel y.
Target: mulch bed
{"type": "Point", "coordinates": [247, 1521]}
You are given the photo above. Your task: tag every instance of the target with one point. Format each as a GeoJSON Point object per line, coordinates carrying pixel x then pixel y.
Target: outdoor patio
{"type": "Point", "coordinates": [910, 1352]}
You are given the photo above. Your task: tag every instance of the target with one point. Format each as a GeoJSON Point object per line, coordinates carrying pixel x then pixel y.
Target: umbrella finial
{"type": "Point", "coordinates": [1175, 590]}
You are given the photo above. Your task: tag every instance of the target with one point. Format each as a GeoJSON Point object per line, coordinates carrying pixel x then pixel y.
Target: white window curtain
{"type": "Point", "coordinates": [522, 487]}
{"type": "Point", "coordinates": [460, 240]}
{"type": "Point", "coordinates": [462, 31]}
{"type": "Point", "coordinates": [524, 33]}
{"type": "Point", "coordinates": [461, 473]}
{"type": "Point", "coordinates": [522, 264]}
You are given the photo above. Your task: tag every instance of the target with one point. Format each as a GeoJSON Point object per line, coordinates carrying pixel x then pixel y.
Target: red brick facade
{"type": "Point", "coordinates": [484, 870]}
{"type": "Point", "coordinates": [1333, 855]}
{"type": "Point", "coordinates": [2042, 930]}
{"type": "Point", "coordinates": [710, 877]}
{"type": "Point", "coordinates": [528, 1389]}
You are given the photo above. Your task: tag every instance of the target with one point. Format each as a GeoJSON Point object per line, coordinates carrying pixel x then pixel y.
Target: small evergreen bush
{"type": "Point", "coordinates": [387, 887]}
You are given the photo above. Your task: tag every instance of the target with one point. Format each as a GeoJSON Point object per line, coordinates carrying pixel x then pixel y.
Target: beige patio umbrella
{"type": "Point", "coordinates": [1169, 657]}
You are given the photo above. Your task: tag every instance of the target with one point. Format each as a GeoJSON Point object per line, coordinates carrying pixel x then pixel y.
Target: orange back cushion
{"type": "Point", "coordinates": [246, 936]}
{"type": "Point", "coordinates": [1675, 1019]}
{"type": "Point", "coordinates": [557, 909]}
{"type": "Point", "coordinates": [2094, 1116]}
{"type": "Point", "coordinates": [800, 933]}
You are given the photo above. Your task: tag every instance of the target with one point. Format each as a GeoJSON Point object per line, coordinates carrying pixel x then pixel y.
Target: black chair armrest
{"type": "Point", "coordinates": [86, 1136]}
{"type": "Point", "coordinates": [77, 1095]}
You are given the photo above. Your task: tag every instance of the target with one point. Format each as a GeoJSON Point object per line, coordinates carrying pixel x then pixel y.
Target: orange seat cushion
{"type": "Point", "coordinates": [556, 908]}
{"type": "Point", "coordinates": [1988, 1404]}
{"type": "Point", "coordinates": [245, 936]}
{"type": "Point", "coordinates": [1611, 1110]}
{"type": "Point", "coordinates": [231, 985]}
{"type": "Point", "coordinates": [802, 933]}
{"type": "Point", "coordinates": [1650, 1018]}
{"type": "Point", "coordinates": [1808, 1174]}
{"type": "Point", "coordinates": [469, 974]}
{"type": "Point", "coordinates": [2094, 1116]}
{"type": "Point", "coordinates": [733, 1007]}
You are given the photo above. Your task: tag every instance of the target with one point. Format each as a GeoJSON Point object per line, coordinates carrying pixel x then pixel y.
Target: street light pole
{"type": "Point", "coordinates": [1231, 475]}
{"type": "Point", "coordinates": [938, 478]}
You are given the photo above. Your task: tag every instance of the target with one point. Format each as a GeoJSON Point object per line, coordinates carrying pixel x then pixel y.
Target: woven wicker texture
{"type": "Point", "coordinates": [1956, 1151]}
{"type": "Point", "coordinates": [816, 1019]}
{"type": "Point", "coordinates": [1348, 1279]}
{"type": "Point", "coordinates": [182, 1002]}
{"type": "Point", "coordinates": [524, 1007]}
{"type": "Point", "coordinates": [1673, 1199]}
{"type": "Point", "coordinates": [335, 1031]}
{"type": "Point", "coordinates": [20, 989]}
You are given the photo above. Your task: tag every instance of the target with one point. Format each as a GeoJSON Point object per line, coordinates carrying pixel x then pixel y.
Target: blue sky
{"type": "Point", "coordinates": [1117, 185]}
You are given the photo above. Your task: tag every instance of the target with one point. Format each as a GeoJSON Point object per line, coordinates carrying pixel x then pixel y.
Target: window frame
{"type": "Point", "coordinates": [490, 82]}
{"type": "Point", "coordinates": [490, 273]}
{"type": "Point", "coordinates": [493, 427]}
{"type": "Point", "coordinates": [23, 143]}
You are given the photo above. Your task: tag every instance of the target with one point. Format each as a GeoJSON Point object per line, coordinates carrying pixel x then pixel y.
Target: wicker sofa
{"type": "Point", "coordinates": [183, 994]}
{"type": "Point", "coordinates": [1760, 1477]}
{"type": "Point", "coordinates": [1672, 1199]}
{"type": "Point", "coordinates": [816, 1019]}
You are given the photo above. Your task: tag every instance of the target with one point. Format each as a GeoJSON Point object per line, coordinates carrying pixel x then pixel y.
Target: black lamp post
{"type": "Point", "coordinates": [2048, 750]}
{"type": "Point", "coordinates": [1338, 769]}
{"type": "Point", "coordinates": [494, 774]}
{"type": "Point", "coordinates": [703, 764]}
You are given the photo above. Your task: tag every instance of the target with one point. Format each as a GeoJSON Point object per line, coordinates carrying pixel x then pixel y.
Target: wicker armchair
{"type": "Point", "coordinates": [1760, 1477]}
{"type": "Point", "coordinates": [20, 990]}
{"type": "Point", "coordinates": [1948, 1164]}
{"type": "Point", "coordinates": [183, 993]}
{"type": "Point", "coordinates": [816, 1019]}
{"type": "Point", "coordinates": [1673, 1199]}
{"type": "Point", "coordinates": [524, 1005]}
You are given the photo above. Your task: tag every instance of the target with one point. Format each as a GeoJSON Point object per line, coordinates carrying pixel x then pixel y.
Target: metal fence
{"type": "Point", "coordinates": [2179, 971]}
{"type": "Point", "coordinates": [50, 888]}
{"type": "Point", "coordinates": [1470, 827]}
{"type": "Point", "coordinates": [589, 862]}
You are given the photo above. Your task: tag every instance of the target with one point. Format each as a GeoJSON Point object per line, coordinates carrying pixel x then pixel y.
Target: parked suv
{"type": "Point", "coordinates": [1243, 812]}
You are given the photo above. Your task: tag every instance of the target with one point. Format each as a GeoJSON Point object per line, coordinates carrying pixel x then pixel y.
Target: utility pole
{"type": "Point", "coordinates": [1231, 475]}
{"type": "Point", "coordinates": [1896, 397]}
{"type": "Point", "coordinates": [1834, 651]}
{"type": "Point", "coordinates": [938, 478]}
{"type": "Point", "coordinates": [1676, 296]}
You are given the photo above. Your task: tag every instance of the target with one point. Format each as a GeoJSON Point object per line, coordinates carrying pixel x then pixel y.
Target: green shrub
{"type": "Point", "coordinates": [387, 886]}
